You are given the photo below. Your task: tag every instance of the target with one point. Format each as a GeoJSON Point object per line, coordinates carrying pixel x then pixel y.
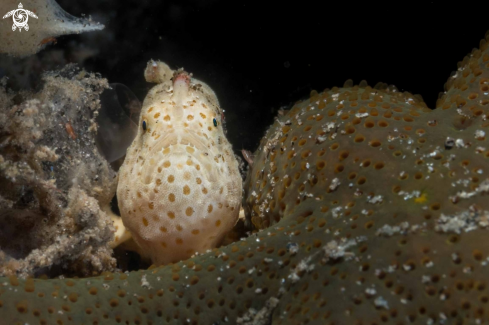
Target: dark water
{"type": "Point", "coordinates": [259, 56]}
{"type": "Point", "coordinates": [262, 56]}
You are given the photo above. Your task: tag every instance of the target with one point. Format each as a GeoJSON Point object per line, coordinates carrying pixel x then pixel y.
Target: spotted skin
{"type": "Point", "coordinates": [179, 188]}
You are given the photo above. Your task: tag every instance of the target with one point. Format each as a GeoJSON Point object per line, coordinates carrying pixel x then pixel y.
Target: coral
{"type": "Point", "coordinates": [50, 21]}
{"type": "Point", "coordinates": [52, 179]}
{"type": "Point", "coordinates": [373, 210]}
{"type": "Point", "coordinates": [407, 184]}
{"type": "Point", "coordinates": [179, 188]}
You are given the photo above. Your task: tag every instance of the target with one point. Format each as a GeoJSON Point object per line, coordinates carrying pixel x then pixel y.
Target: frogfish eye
{"type": "Point", "coordinates": [215, 122]}
{"type": "Point", "coordinates": [144, 125]}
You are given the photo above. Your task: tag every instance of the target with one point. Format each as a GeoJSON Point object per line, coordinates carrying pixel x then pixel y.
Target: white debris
{"type": "Point", "coordinates": [259, 317]}
{"type": "Point", "coordinates": [388, 230]}
{"type": "Point", "coordinates": [144, 282]}
{"type": "Point", "coordinates": [332, 250]}
{"type": "Point", "coordinates": [336, 212]}
{"type": "Point", "coordinates": [482, 188]}
{"type": "Point", "coordinates": [320, 139]}
{"type": "Point", "coordinates": [335, 250]}
{"type": "Point", "coordinates": [408, 196]}
{"type": "Point", "coordinates": [480, 135]}
{"type": "Point", "coordinates": [381, 302]}
{"type": "Point", "coordinates": [464, 221]}
{"type": "Point", "coordinates": [460, 143]}
{"type": "Point", "coordinates": [375, 199]}
{"type": "Point", "coordinates": [292, 248]}
{"type": "Point", "coordinates": [334, 184]}
{"type": "Point", "coordinates": [328, 127]}
{"type": "Point", "coordinates": [360, 115]}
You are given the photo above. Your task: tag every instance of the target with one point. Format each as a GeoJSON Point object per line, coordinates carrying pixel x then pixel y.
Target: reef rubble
{"type": "Point", "coordinates": [53, 181]}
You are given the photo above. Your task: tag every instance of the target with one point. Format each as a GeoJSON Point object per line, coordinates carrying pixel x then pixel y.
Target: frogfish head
{"type": "Point", "coordinates": [179, 189]}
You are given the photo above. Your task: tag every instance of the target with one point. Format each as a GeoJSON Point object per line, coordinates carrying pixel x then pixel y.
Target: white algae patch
{"type": "Point", "coordinates": [464, 221]}
{"type": "Point", "coordinates": [259, 317]}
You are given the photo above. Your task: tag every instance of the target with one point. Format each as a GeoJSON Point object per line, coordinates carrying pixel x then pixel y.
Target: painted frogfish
{"type": "Point", "coordinates": [179, 188]}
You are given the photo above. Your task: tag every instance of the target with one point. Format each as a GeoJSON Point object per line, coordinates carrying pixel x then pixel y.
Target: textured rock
{"type": "Point", "coordinates": [381, 220]}
{"type": "Point", "coordinates": [52, 179]}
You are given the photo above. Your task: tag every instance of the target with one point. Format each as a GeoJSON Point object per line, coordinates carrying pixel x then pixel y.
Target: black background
{"type": "Point", "coordinates": [260, 55]}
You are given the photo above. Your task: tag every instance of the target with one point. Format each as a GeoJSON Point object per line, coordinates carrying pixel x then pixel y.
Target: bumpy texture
{"type": "Point", "coordinates": [376, 211]}
{"type": "Point", "coordinates": [179, 188]}
{"type": "Point", "coordinates": [52, 179]}
{"type": "Point", "coordinates": [50, 21]}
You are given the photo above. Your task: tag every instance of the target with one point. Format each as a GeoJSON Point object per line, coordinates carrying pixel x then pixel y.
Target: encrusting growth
{"type": "Point", "coordinates": [54, 185]}
{"type": "Point", "coordinates": [179, 188]}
